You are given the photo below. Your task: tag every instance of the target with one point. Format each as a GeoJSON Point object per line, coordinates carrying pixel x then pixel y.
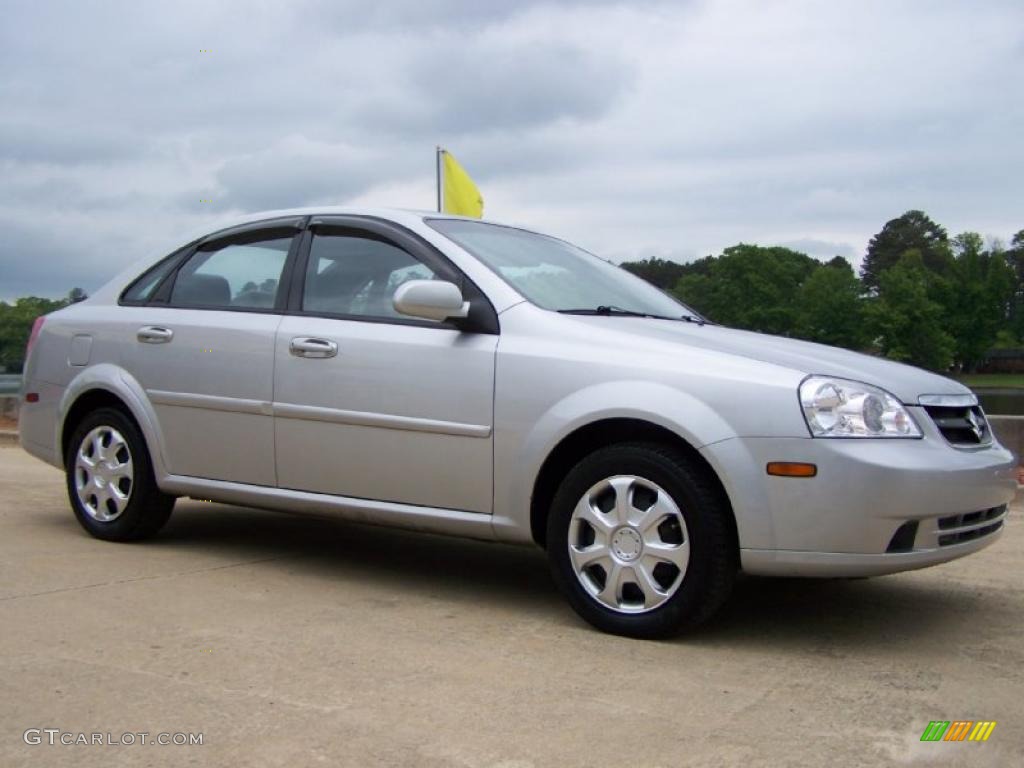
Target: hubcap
{"type": "Point", "coordinates": [628, 544]}
{"type": "Point", "coordinates": [104, 474]}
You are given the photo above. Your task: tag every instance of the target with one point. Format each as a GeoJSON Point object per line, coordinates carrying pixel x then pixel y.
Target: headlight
{"type": "Point", "coordinates": [841, 408]}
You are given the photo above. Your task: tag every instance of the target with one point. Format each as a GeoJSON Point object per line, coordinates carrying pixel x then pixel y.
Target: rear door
{"type": "Point", "coordinates": [369, 403]}
{"type": "Point", "coordinates": [203, 350]}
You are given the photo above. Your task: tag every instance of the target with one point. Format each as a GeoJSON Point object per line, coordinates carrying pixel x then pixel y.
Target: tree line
{"type": "Point", "coordinates": [16, 321]}
{"type": "Point", "coordinates": [921, 297]}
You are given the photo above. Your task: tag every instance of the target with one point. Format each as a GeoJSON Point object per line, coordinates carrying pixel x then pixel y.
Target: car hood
{"type": "Point", "coordinates": [904, 381]}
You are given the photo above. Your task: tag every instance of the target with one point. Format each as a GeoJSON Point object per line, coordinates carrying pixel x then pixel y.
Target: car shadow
{"type": "Point", "coordinates": [844, 616]}
{"type": "Point", "coordinates": [825, 615]}
{"type": "Point", "coordinates": [332, 549]}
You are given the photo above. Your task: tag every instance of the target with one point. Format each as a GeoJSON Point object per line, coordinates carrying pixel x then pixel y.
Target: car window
{"type": "Point", "coordinates": [237, 276]}
{"type": "Point", "coordinates": [354, 275]}
{"type": "Point", "coordinates": [142, 289]}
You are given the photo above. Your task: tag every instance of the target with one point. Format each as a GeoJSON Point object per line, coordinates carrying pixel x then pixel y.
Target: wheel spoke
{"type": "Point", "coordinates": [101, 494]}
{"type": "Point", "coordinates": [122, 470]}
{"type": "Point", "coordinates": [647, 519]}
{"type": "Point", "coordinates": [98, 452]}
{"type": "Point", "coordinates": [597, 519]}
{"type": "Point", "coordinates": [677, 554]}
{"type": "Point", "coordinates": [653, 594]}
{"type": "Point", "coordinates": [116, 444]}
{"type": "Point", "coordinates": [119, 499]}
{"type": "Point", "coordinates": [81, 463]}
{"type": "Point", "coordinates": [612, 592]}
{"type": "Point", "coordinates": [84, 460]}
{"type": "Point", "coordinates": [623, 508]}
{"type": "Point", "coordinates": [583, 557]}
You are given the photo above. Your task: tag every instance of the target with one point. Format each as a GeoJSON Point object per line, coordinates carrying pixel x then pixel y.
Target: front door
{"type": "Point", "coordinates": [371, 404]}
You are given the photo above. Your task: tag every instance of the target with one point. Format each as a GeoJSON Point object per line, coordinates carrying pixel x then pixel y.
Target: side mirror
{"type": "Point", "coordinates": [430, 300]}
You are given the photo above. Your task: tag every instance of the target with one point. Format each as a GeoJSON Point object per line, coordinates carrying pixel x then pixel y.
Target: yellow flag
{"type": "Point", "coordinates": [460, 193]}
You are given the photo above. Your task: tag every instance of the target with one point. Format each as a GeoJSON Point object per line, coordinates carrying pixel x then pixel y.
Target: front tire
{"type": "Point", "coordinates": [110, 479]}
{"type": "Point", "coordinates": [640, 540]}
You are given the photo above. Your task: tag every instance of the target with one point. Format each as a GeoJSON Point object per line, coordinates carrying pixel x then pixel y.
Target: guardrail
{"type": "Point", "coordinates": [10, 383]}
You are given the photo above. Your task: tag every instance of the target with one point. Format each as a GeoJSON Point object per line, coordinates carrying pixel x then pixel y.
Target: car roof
{"type": "Point", "coordinates": [401, 215]}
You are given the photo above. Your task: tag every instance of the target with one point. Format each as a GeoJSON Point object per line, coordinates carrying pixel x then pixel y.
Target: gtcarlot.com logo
{"type": "Point", "coordinates": [958, 730]}
{"type": "Point", "coordinates": [55, 736]}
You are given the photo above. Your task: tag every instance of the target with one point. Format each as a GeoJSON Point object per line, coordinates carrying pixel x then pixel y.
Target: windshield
{"type": "Point", "coordinates": [556, 275]}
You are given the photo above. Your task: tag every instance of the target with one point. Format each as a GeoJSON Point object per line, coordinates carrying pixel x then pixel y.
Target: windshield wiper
{"type": "Point", "coordinates": [694, 319]}
{"type": "Point", "coordinates": [612, 310]}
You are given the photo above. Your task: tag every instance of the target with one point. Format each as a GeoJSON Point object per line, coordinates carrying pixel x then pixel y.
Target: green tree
{"type": "Point", "coordinates": [750, 287]}
{"type": "Point", "coordinates": [660, 272]}
{"type": "Point", "coordinates": [1014, 256]}
{"type": "Point", "coordinates": [831, 310]}
{"type": "Point", "coordinates": [16, 324]}
{"type": "Point", "coordinates": [913, 231]}
{"type": "Point", "coordinates": [907, 324]}
{"type": "Point", "coordinates": [976, 298]}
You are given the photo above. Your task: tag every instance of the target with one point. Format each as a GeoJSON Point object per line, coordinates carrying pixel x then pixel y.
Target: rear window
{"type": "Point", "coordinates": [145, 285]}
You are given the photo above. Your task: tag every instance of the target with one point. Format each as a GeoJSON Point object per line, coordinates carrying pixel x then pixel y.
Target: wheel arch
{"type": "Point", "coordinates": [591, 437]}
{"type": "Point", "coordinates": [89, 401]}
{"type": "Point", "coordinates": [108, 385]}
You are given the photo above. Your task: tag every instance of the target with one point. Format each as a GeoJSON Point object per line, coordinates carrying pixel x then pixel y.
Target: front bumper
{"type": "Point", "coordinates": [780, 562]}
{"type": "Point", "coordinates": [844, 521]}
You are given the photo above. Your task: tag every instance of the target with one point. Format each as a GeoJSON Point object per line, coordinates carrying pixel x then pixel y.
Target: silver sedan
{"type": "Point", "coordinates": [467, 378]}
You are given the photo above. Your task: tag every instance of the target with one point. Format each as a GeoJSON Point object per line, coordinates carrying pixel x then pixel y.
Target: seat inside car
{"type": "Point", "coordinates": [207, 290]}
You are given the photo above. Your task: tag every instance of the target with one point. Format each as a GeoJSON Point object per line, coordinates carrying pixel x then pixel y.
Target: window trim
{"type": "Point", "coordinates": [246, 233]}
{"type": "Point", "coordinates": [161, 291]}
{"type": "Point", "coordinates": [181, 254]}
{"type": "Point", "coordinates": [483, 318]}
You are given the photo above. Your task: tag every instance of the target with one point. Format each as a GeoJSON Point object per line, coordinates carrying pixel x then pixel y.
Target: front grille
{"type": "Point", "coordinates": [970, 518]}
{"type": "Point", "coordinates": [961, 425]}
{"type": "Point", "coordinates": [956, 529]}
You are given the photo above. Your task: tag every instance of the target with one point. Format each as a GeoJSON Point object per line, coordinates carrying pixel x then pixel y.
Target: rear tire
{"type": "Point", "coordinates": [110, 479]}
{"type": "Point", "coordinates": [640, 540]}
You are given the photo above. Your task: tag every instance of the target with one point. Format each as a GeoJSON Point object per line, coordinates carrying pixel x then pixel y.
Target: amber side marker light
{"type": "Point", "coordinates": [791, 469]}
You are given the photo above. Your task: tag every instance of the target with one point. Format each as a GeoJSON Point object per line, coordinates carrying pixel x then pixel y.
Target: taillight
{"type": "Point", "coordinates": [36, 327]}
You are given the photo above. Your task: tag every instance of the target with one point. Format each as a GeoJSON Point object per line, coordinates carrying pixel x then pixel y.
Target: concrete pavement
{"type": "Point", "coordinates": [290, 641]}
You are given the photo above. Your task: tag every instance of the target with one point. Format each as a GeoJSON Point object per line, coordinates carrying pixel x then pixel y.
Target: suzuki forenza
{"type": "Point", "coordinates": [467, 378]}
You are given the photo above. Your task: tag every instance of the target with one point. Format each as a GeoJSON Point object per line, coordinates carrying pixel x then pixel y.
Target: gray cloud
{"type": "Point", "coordinates": [417, 15]}
{"type": "Point", "coordinates": [299, 172]}
{"type": "Point", "coordinates": [60, 143]}
{"type": "Point", "coordinates": [459, 89]}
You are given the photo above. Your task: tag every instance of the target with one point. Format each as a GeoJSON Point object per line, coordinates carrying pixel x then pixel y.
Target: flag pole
{"type": "Point", "coordinates": [439, 182]}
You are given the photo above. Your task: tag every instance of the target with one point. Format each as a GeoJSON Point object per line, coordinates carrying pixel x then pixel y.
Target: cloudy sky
{"type": "Point", "coordinates": [636, 128]}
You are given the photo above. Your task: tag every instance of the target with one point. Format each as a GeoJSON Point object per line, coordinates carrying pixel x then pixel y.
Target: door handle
{"type": "Point", "coordinates": [304, 346]}
{"type": "Point", "coordinates": [154, 334]}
